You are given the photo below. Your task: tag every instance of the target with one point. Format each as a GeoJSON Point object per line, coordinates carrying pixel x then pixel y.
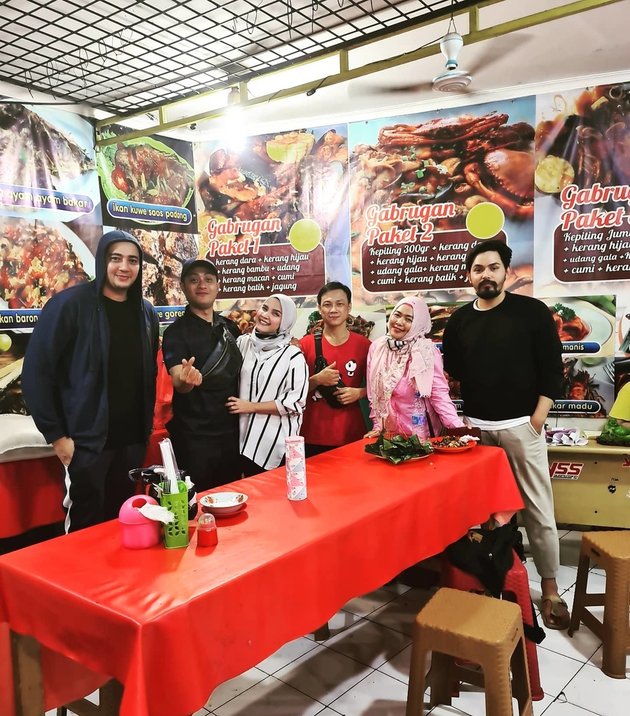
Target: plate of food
{"type": "Point", "coordinates": [146, 171]}
{"type": "Point", "coordinates": [580, 320]}
{"type": "Point", "coordinates": [453, 444]}
{"type": "Point", "coordinates": [399, 448]}
{"type": "Point", "coordinates": [222, 504]}
{"type": "Point", "coordinates": [40, 260]}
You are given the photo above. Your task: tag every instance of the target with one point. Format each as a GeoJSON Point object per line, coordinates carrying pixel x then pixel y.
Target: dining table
{"type": "Point", "coordinates": [169, 625]}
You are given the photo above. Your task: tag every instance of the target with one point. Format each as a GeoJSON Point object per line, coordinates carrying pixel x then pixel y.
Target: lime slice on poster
{"type": "Point", "coordinates": [289, 148]}
{"type": "Point", "coordinates": [485, 220]}
{"type": "Point", "coordinates": [305, 235]}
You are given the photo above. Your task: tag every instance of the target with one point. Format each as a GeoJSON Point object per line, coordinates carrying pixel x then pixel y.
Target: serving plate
{"type": "Point", "coordinates": [438, 448]}
{"type": "Point", "coordinates": [410, 459]}
{"type": "Point", "coordinates": [599, 324]}
{"type": "Point", "coordinates": [222, 504]}
{"type": "Point", "coordinates": [105, 162]}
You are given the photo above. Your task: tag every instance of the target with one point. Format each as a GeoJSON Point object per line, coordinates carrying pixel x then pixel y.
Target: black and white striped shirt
{"type": "Point", "coordinates": [280, 375]}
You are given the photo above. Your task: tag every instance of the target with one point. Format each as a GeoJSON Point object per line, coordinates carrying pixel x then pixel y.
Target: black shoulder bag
{"type": "Point", "coordinates": [327, 391]}
{"type": "Point", "coordinates": [223, 365]}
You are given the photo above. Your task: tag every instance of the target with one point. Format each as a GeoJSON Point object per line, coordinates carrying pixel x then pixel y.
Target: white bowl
{"type": "Point", "coordinates": [222, 504]}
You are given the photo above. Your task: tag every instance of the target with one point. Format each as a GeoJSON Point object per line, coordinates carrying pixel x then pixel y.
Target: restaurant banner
{"type": "Point", "coordinates": [424, 188]}
{"type": "Point", "coordinates": [582, 201]}
{"type": "Point", "coordinates": [273, 215]}
{"type": "Point", "coordinates": [50, 222]}
{"type": "Point", "coordinates": [147, 182]}
{"type": "Point", "coordinates": [389, 206]}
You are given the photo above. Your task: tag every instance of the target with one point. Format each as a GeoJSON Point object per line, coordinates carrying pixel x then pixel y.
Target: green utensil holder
{"type": "Point", "coordinates": [176, 532]}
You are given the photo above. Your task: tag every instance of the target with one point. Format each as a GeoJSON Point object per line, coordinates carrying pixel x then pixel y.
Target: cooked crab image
{"type": "Point", "coordinates": [464, 160]}
{"type": "Point", "coordinates": [437, 131]}
{"type": "Point", "coordinates": [505, 177]}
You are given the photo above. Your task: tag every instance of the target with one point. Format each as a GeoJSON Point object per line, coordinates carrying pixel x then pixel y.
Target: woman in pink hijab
{"type": "Point", "coordinates": [406, 386]}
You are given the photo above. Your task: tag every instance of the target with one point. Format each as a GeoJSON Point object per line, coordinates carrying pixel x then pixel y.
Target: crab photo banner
{"type": "Point", "coordinates": [424, 188]}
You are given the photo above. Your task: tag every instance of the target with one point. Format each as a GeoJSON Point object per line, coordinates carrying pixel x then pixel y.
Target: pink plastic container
{"type": "Point", "coordinates": [138, 532]}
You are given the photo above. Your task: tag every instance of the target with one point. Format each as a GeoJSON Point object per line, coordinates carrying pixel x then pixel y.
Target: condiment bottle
{"type": "Point", "coordinates": [206, 530]}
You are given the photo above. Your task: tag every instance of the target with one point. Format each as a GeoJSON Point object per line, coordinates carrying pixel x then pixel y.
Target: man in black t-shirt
{"type": "Point", "coordinates": [204, 362]}
{"type": "Point", "coordinates": [89, 381]}
{"type": "Point", "coordinates": [504, 350]}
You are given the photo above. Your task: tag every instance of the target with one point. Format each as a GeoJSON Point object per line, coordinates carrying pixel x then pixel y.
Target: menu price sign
{"type": "Point", "coordinates": [593, 243]}
{"type": "Point", "coordinates": [438, 263]}
{"type": "Point", "coordinates": [275, 268]}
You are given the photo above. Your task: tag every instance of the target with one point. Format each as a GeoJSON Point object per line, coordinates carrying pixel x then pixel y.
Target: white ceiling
{"type": "Point", "coordinates": [589, 47]}
{"type": "Point", "coordinates": [583, 49]}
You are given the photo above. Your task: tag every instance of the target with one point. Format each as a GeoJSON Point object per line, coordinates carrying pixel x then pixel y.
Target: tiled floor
{"type": "Point", "coordinates": [362, 669]}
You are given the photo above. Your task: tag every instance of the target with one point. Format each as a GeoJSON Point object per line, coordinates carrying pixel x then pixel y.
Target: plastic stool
{"type": "Point", "coordinates": [460, 625]}
{"type": "Point", "coordinates": [611, 551]}
{"type": "Point", "coordinates": [515, 589]}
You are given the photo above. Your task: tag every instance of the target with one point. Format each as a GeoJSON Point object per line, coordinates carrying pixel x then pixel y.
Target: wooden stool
{"type": "Point", "coordinates": [515, 589]}
{"type": "Point", "coordinates": [474, 628]}
{"type": "Point", "coordinates": [611, 552]}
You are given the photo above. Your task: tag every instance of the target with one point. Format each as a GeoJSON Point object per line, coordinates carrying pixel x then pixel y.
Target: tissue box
{"type": "Point", "coordinates": [138, 532]}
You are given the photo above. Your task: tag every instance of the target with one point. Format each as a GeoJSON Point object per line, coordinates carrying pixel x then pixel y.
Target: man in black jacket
{"type": "Point", "coordinates": [505, 352]}
{"type": "Point", "coordinates": [204, 362]}
{"type": "Point", "coordinates": [89, 380]}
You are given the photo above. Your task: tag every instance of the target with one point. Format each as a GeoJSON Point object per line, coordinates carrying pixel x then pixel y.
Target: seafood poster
{"type": "Point", "coordinates": [164, 255]}
{"type": "Point", "coordinates": [586, 328]}
{"type": "Point", "coordinates": [273, 215]}
{"type": "Point", "coordinates": [50, 219]}
{"type": "Point", "coordinates": [425, 188]}
{"type": "Point", "coordinates": [50, 223]}
{"type": "Point", "coordinates": [582, 199]}
{"type": "Point", "coordinates": [147, 182]}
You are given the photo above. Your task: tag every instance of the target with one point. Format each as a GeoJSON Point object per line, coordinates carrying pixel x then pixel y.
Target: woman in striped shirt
{"type": "Point", "coordinates": [273, 387]}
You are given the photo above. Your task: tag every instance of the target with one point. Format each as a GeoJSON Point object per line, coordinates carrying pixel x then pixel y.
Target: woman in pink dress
{"type": "Point", "coordinates": [406, 385]}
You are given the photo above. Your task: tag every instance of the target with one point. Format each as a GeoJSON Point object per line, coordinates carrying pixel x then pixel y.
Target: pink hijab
{"type": "Point", "coordinates": [390, 358]}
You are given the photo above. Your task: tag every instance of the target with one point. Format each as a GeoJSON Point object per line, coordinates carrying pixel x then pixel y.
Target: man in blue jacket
{"type": "Point", "coordinates": [89, 380]}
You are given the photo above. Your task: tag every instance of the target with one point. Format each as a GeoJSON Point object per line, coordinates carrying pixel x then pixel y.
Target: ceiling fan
{"type": "Point", "coordinates": [453, 79]}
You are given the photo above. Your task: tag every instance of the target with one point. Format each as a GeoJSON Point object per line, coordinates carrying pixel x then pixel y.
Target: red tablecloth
{"type": "Point", "coordinates": [31, 491]}
{"type": "Point", "coordinates": [173, 624]}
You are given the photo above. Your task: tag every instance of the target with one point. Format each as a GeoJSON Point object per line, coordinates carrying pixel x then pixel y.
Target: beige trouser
{"type": "Point", "coordinates": [527, 453]}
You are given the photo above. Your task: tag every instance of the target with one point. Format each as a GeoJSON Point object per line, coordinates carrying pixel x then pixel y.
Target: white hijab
{"type": "Point", "coordinates": [283, 336]}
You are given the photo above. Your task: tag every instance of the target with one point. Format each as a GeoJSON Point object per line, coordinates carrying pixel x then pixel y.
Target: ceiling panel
{"type": "Point", "coordinates": [123, 56]}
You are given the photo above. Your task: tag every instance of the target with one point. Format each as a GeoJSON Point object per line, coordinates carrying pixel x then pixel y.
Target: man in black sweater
{"type": "Point", "coordinates": [505, 352]}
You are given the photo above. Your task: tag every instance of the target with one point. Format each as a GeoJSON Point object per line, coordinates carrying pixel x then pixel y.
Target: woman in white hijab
{"type": "Point", "coordinates": [273, 386]}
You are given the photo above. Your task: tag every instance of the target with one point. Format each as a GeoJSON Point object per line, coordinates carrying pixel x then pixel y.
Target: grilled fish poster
{"type": "Point", "coordinates": [50, 218]}
{"type": "Point", "coordinates": [425, 187]}
{"type": "Point", "coordinates": [50, 222]}
{"type": "Point", "coordinates": [148, 182]}
{"type": "Point", "coordinates": [273, 214]}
